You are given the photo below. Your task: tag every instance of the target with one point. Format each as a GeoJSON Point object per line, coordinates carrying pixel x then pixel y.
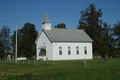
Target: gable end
{"type": "Point", "coordinates": [45, 34]}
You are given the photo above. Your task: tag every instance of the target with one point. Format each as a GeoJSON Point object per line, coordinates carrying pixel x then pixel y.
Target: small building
{"type": "Point", "coordinates": [62, 44]}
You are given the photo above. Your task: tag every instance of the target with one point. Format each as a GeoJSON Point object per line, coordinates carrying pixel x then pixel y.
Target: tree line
{"type": "Point", "coordinates": [4, 41]}
{"type": "Point", "coordinates": [106, 37]}
{"type": "Point", "coordinates": [26, 41]}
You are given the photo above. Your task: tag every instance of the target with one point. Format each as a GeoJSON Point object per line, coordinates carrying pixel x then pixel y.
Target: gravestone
{"type": "Point", "coordinates": [8, 58]}
{"type": "Point", "coordinates": [105, 58]}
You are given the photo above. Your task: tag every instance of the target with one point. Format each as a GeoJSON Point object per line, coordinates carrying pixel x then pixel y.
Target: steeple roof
{"type": "Point", "coordinates": [46, 19]}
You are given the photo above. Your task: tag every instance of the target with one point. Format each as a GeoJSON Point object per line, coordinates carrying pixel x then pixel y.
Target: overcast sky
{"type": "Point", "coordinates": [65, 11]}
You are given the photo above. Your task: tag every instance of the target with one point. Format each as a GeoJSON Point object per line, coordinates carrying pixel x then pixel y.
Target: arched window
{"type": "Point", "coordinates": [77, 50]}
{"type": "Point", "coordinates": [60, 50]}
{"type": "Point", "coordinates": [85, 50]}
{"type": "Point", "coordinates": [69, 50]}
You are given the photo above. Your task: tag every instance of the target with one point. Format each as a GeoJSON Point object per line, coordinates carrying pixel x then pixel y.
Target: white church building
{"type": "Point", "coordinates": [62, 44]}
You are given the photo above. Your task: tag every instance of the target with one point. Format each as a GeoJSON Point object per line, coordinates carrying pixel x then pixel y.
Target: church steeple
{"type": "Point", "coordinates": [46, 19]}
{"type": "Point", "coordinates": [46, 24]}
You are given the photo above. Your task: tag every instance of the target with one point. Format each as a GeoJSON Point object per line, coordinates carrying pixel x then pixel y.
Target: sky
{"type": "Point", "coordinates": [65, 11]}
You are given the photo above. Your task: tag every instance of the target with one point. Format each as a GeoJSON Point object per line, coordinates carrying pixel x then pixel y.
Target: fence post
{"type": "Point", "coordinates": [5, 59]}
{"type": "Point", "coordinates": [1, 59]}
{"type": "Point", "coordinates": [23, 61]}
{"type": "Point", "coordinates": [18, 61]}
{"type": "Point", "coordinates": [85, 63]}
{"type": "Point", "coordinates": [13, 59]}
{"type": "Point", "coordinates": [34, 62]}
{"type": "Point", "coordinates": [28, 61]}
{"type": "Point", "coordinates": [56, 60]}
{"type": "Point", "coordinates": [47, 62]}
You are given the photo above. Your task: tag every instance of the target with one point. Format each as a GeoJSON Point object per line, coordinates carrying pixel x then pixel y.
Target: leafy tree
{"type": "Point", "coordinates": [107, 38]}
{"type": "Point", "coordinates": [116, 30]}
{"type": "Point", "coordinates": [116, 36]}
{"type": "Point", "coordinates": [13, 39]}
{"type": "Point", "coordinates": [5, 38]}
{"type": "Point", "coordinates": [60, 25]}
{"type": "Point", "coordinates": [26, 38]}
{"type": "Point", "coordinates": [92, 24]}
{"type": "Point", "coordinates": [1, 49]}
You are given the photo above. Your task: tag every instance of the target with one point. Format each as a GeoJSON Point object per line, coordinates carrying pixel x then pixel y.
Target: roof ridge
{"type": "Point", "coordinates": [65, 29]}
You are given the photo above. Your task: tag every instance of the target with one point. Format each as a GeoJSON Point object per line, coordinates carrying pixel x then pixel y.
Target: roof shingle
{"type": "Point", "coordinates": [68, 35]}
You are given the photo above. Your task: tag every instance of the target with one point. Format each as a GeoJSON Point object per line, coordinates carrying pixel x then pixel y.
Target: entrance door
{"type": "Point", "coordinates": [42, 53]}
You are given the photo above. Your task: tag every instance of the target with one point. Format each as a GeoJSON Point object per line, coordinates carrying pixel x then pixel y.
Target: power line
{"type": "Point", "coordinates": [20, 24]}
{"type": "Point", "coordinates": [10, 22]}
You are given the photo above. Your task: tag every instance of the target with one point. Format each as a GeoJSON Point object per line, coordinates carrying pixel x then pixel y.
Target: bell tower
{"type": "Point", "coordinates": [46, 24]}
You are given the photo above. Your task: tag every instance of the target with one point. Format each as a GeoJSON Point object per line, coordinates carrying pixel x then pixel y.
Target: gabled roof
{"type": "Point", "coordinates": [46, 19]}
{"type": "Point", "coordinates": [67, 35]}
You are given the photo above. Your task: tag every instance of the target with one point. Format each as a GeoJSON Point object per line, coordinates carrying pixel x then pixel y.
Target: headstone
{"type": "Point", "coordinates": [105, 58]}
{"type": "Point", "coordinates": [33, 57]}
{"type": "Point", "coordinates": [8, 58]}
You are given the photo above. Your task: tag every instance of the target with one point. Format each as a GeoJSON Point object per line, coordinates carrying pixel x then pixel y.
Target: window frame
{"type": "Point", "coordinates": [69, 50]}
{"type": "Point", "coordinates": [85, 50]}
{"type": "Point", "coordinates": [60, 50]}
{"type": "Point", "coordinates": [77, 50]}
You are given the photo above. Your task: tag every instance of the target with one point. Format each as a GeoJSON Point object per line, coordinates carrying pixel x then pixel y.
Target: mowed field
{"type": "Point", "coordinates": [62, 70]}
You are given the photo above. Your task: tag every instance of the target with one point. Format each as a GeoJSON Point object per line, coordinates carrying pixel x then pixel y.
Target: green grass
{"type": "Point", "coordinates": [62, 70]}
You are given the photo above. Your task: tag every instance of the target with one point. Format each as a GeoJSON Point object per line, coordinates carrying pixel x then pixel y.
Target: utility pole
{"type": "Point", "coordinates": [16, 45]}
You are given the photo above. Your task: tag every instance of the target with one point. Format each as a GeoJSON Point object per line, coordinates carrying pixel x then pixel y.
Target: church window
{"type": "Point", "coordinates": [60, 50]}
{"type": "Point", "coordinates": [85, 50]}
{"type": "Point", "coordinates": [77, 50]}
{"type": "Point", "coordinates": [69, 51]}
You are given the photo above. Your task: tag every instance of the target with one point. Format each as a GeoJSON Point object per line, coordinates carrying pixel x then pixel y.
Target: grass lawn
{"type": "Point", "coordinates": [62, 70]}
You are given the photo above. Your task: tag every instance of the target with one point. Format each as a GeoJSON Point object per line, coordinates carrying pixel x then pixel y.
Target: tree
{"type": "Point", "coordinates": [107, 38]}
{"type": "Point", "coordinates": [13, 40]}
{"type": "Point", "coordinates": [1, 49]}
{"type": "Point", "coordinates": [116, 34]}
{"type": "Point", "coordinates": [5, 38]}
{"type": "Point", "coordinates": [60, 25]}
{"type": "Point", "coordinates": [26, 39]}
{"type": "Point", "coordinates": [92, 24]}
{"type": "Point", "coordinates": [116, 30]}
